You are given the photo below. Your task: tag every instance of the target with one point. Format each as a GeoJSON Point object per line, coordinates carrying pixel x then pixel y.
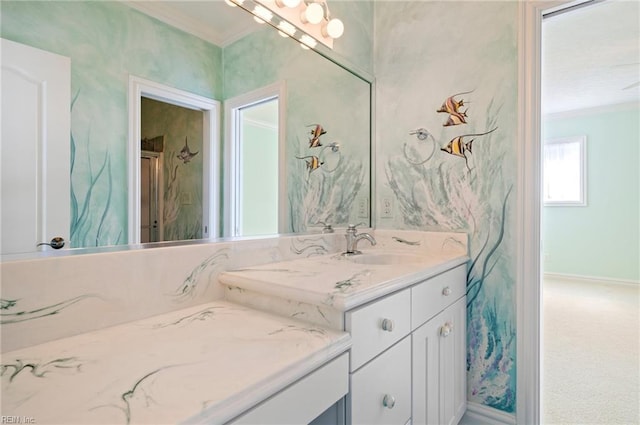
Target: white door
{"type": "Point", "coordinates": [35, 154]}
{"type": "Point", "coordinates": [439, 368]}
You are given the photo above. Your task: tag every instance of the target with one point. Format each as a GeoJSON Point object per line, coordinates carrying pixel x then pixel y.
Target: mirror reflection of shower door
{"type": "Point", "coordinates": [150, 195]}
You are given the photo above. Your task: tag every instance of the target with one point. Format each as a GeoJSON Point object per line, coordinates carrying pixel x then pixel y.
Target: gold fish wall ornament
{"type": "Point", "coordinates": [452, 106]}
{"type": "Point", "coordinates": [456, 119]}
{"type": "Point", "coordinates": [458, 147]}
{"type": "Point", "coordinates": [313, 162]}
{"type": "Point", "coordinates": [316, 132]}
{"type": "Point", "coordinates": [185, 154]}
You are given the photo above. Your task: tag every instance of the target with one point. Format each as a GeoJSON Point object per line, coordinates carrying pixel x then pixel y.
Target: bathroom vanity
{"type": "Point", "coordinates": [405, 310]}
{"type": "Point", "coordinates": [202, 334]}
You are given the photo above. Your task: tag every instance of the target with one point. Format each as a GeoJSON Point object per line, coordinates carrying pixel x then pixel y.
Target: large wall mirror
{"type": "Point", "coordinates": [324, 169]}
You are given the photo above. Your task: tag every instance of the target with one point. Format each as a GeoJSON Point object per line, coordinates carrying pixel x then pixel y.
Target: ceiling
{"type": "Point", "coordinates": [591, 56]}
{"type": "Point", "coordinates": [212, 20]}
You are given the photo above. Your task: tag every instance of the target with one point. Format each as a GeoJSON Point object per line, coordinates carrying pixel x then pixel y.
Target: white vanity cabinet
{"type": "Point", "coordinates": [408, 357]}
{"type": "Point", "coordinates": [439, 367]}
{"type": "Point", "coordinates": [439, 312]}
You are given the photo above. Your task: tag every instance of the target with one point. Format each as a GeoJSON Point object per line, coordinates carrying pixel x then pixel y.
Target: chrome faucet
{"type": "Point", "coordinates": [352, 236]}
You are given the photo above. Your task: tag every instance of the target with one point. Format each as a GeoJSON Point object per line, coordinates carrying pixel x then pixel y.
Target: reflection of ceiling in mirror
{"type": "Point", "coordinates": [213, 21]}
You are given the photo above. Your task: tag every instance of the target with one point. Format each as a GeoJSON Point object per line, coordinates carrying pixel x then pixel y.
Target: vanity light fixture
{"type": "Point", "coordinates": [307, 21]}
{"type": "Point", "coordinates": [233, 3]}
{"type": "Point", "coordinates": [286, 29]}
{"type": "Point", "coordinates": [313, 14]}
{"type": "Point", "coordinates": [262, 14]}
{"type": "Point", "coordinates": [292, 4]}
{"type": "Point", "coordinates": [306, 41]}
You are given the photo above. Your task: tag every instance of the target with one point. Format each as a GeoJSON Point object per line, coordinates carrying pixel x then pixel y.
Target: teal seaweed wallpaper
{"type": "Point", "coordinates": [108, 41]}
{"type": "Point", "coordinates": [326, 188]}
{"type": "Point", "coordinates": [446, 126]}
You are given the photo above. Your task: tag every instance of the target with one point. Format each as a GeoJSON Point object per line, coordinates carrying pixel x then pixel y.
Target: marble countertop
{"type": "Point", "coordinates": [338, 282]}
{"type": "Point", "coordinates": [210, 362]}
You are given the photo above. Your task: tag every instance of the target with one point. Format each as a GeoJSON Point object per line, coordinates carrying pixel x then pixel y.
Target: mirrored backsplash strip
{"type": "Point", "coordinates": [51, 298]}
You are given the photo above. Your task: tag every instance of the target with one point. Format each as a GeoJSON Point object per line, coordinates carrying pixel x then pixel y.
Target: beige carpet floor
{"type": "Point", "coordinates": [590, 353]}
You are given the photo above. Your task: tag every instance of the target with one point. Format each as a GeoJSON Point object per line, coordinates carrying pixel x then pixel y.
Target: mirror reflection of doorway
{"type": "Point", "coordinates": [171, 175]}
{"type": "Point", "coordinates": [257, 200]}
{"type": "Point", "coordinates": [255, 186]}
{"type": "Point", "coordinates": [150, 197]}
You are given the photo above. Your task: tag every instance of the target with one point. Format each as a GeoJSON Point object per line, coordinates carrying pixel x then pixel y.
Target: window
{"type": "Point", "coordinates": [565, 172]}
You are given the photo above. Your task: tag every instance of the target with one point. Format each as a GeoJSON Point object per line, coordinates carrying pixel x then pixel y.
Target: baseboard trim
{"type": "Point", "coordinates": [591, 278]}
{"type": "Point", "coordinates": [478, 414]}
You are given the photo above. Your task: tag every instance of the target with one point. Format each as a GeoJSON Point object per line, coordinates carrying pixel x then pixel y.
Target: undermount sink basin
{"type": "Point", "coordinates": [386, 258]}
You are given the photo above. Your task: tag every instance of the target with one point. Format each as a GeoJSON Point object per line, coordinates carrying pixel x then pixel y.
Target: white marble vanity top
{"type": "Point", "coordinates": [206, 363]}
{"type": "Point", "coordinates": [340, 282]}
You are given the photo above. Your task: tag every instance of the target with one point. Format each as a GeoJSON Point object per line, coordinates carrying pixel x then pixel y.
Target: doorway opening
{"type": "Point", "coordinates": [590, 279]}
{"type": "Point", "coordinates": [173, 164]}
{"type": "Point", "coordinates": [255, 158]}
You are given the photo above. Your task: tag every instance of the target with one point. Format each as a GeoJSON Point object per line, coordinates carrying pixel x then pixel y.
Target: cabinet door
{"type": "Point", "coordinates": [439, 367]}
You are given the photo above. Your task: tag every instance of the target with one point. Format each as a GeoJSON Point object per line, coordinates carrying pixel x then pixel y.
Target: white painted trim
{"type": "Point", "coordinates": [618, 107]}
{"type": "Point", "coordinates": [139, 87]}
{"type": "Point", "coordinates": [231, 166]}
{"type": "Point", "coordinates": [479, 414]}
{"type": "Point", "coordinates": [528, 279]}
{"type": "Point", "coordinates": [591, 279]}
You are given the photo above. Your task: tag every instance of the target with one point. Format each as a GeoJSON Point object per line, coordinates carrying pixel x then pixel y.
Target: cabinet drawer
{"type": "Point", "coordinates": [437, 293]}
{"type": "Point", "coordinates": [376, 326]}
{"type": "Point", "coordinates": [301, 402]}
{"type": "Point", "coordinates": [381, 390]}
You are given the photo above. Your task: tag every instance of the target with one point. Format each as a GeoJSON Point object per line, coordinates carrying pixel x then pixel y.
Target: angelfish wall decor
{"type": "Point", "coordinates": [452, 106]}
{"type": "Point", "coordinates": [315, 161]}
{"type": "Point", "coordinates": [185, 153]}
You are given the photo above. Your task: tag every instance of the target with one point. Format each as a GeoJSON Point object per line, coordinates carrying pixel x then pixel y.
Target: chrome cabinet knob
{"type": "Point", "coordinates": [446, 291]}
{"type": "Point", "coordinates": [387, 325]}
{"type": "Point", "coordinates": [389, 401]}
{"type": "Point", "coordinates": [446, 329]}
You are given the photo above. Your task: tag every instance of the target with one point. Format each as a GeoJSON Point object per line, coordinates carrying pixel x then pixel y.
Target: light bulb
{"type": "Point", "coordinates": [308, 41]}
{"type": "Point", "coordinates": [288, 3]}
{"type": "Point", "coordinates": [313, 14]}
{"type": "Point", "coordinates": [334, 28]}
{"type": "Point", "coordinates": [262, 14]}
{"type": "Point", "coordinates": [286, 29]}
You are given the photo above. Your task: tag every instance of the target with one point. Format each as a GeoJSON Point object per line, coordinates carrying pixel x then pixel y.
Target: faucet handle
{"type": "Point", "coordinates": [327, 227]}
{"type": "Point", "coordinates": [353, 226]}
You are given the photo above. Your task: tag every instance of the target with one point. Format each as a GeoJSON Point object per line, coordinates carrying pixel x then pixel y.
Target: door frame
{"type": "Point", "coordinates": [158, 184]}
{"type": "Point", "coordinates": [140, 87]}
{"type": "Point", "coordinates": [231, 153]}
{"type": "Point", "coordinates": [529, 207]}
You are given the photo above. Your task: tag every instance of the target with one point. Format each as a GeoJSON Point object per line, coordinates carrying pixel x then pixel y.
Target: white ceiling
{"type": "Point", "coordinates": [212, 20]}
{"type": "Point", "coordinates": [591, 56]}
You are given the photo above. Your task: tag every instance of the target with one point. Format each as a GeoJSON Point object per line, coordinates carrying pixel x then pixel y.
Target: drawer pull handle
{"type": "Point", "coordinates": [389, 401]}
{"type": "Point", "coordinates": [387, 325]}
{"type": "Point", "coordinates": [446, 329]}
{"type": "Point", "coordinates": [446, 291]}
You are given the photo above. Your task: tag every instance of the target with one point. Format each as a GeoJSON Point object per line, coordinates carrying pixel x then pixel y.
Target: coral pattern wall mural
{"type": "Point", "coordinates": [108, 41]}
{"type": "Point", "coordinates": [446, 129]}
{"type": "Point", "coordinates": [321, 130]}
